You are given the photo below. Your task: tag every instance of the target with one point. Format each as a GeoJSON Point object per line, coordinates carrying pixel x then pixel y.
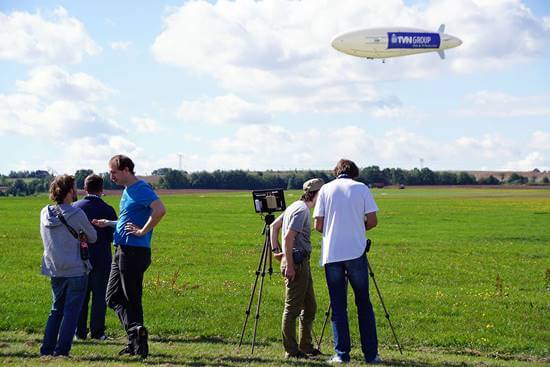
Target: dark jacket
{"type": "Point", "coordinates": [96, 208]}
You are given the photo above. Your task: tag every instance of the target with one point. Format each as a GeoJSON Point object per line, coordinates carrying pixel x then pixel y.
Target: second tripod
{"type": "Point", "coordinates": [266, 257]}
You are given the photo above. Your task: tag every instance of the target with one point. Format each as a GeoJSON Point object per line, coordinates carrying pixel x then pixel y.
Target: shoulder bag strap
{"type": "Point", "coordinates": [64, 221]}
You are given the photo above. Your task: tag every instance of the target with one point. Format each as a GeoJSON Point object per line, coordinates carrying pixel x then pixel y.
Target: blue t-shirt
{"type": "Point", "coordinates": [135, 208]}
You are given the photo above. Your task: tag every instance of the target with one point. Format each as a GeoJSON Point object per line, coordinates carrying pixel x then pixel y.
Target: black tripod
{"type": "Point", "coordinates": [265, 255]}
{"type": "Point", "coordinates": [387, 315]}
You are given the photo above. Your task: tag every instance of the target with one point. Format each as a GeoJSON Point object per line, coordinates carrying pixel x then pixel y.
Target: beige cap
{"type": "Point", "coordinates": [313, 185]}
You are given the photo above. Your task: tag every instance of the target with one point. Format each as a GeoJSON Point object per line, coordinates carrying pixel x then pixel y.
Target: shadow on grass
{"type": "Point", "coordinates": [204, 339]}
{"type": "Point", "coordinates": [226, 361]}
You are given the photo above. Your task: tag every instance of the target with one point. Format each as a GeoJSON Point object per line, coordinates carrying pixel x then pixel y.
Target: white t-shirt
{"type": "Point", "coordinates": [343, 203]}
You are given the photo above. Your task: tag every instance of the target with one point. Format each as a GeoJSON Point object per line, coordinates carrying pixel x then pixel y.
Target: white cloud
{"type": "Point", "coordinates": [540, 140]}
{"type": "Point", "coordinates": [271, 146]}
{"type": "Point", "coordinates": [275, 147]}
{"type": "Point", "coordinates": [529, 162]}
{"type": "Point", "coordinates": [221, 110]}
{"type": "Point", "coordinates": [279, 51]}
{"type": "Point", "coordinates": [121, 45]}
{"type": "Point", "coordinates": [57, 104]}
{"type": "Point", "coordinates": [95, 151]}
{"type": "Point", "coordinates": [546, 23]}
{"type": "Point", "coordinates": [498, 104]}
{"type": "Point", "coordinates": [52, 82]}
{"type": "Point", "coordinates": [146, 125]}
{"type": "Point", "coordinates": [35, 38]}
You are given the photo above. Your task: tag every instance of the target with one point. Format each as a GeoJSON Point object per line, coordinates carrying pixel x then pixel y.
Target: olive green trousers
{"type": "Point", "coordinates": [299, 302]}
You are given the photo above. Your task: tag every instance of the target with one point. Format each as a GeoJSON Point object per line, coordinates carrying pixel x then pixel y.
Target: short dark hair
{"type": "Point", "coordinates": [121, 161]}
{"type": "Point", "coordinates": [346, 167]}
{"type": "Point", "coordinates": [60, 187]}
{"type": "Point", "coordinates": [309, 195]}
{"type": "Point", "coordinates": [93, 184]}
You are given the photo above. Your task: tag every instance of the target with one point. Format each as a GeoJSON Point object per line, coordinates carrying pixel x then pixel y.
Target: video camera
{"type": "Point", "coordinates": [269, 201]}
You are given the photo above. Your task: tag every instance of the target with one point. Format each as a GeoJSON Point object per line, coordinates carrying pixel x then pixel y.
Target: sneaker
{"type": "Point", "coordinates": [336, 359]}
{"type": "Point", "coordinates": [142, 347]}
{"type": "Point", "coordinates": [297, 355]}
{"type": "Point", "coordinates": [314, 352]}
{"type": "Point", "coordinates": [375, 360]}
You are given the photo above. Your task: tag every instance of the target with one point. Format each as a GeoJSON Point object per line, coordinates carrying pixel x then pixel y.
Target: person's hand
{"type": "Point", "coordinates": [101, 223]}
{"type": "Point", "coordinates": [132, 229]}
{"type": "Point", "coordinates": [278, 255]}
{"type": "Point", "coordinates": [289, 273]}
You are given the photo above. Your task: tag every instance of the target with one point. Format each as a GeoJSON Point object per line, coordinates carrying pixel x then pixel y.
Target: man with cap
{"type": "Point", "coordinates": [294, 255]}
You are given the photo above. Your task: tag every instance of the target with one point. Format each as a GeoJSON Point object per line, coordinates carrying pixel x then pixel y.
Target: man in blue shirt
{"type": "Point", "coordinates": [100, 257]}
{"type": "Point", "coordinates": [140, 211]}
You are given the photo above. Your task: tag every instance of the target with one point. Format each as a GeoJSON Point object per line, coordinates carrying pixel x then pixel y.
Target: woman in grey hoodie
{"type": "Point", "coordinates": [62, 263]}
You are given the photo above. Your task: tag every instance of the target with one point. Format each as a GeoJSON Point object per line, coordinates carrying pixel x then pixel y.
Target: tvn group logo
{"type": "Point", "coordinates": [413, 40]}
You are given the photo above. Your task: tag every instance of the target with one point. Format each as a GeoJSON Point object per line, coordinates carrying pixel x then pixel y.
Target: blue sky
{"type": "Point", "coordinates": [256, 85]}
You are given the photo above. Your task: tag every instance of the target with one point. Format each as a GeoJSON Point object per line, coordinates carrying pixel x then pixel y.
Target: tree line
{"type": "Point", "coordinates": [24, 183]}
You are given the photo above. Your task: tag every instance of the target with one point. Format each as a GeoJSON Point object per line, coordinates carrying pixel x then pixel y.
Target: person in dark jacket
{"type": "Point", "coordinates": [100, 257]}
{"type": "Point", "coordinates": [62, 262]}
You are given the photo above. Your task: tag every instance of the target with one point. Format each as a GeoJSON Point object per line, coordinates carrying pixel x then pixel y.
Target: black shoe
{"type": "Point", "coordinates": [101, 337]}
{"type": "Point", "coordinates": [297, 355]}
{"type": "Point", "coordinates": [313, 353]}
{"type": "Point", "coordinates": [142, 347]}
{"type": "Point", "coordinates": [80, 337]}
{"type": "Point", "coordinates": [129, 349]}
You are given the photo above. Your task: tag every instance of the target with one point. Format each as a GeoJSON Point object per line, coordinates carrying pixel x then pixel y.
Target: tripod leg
{"type": "Point", "coordinates": [327, 314]}
{"type": "Point", "coordinates": [371, 273]}
{"type": "Point", "coordinates": [262, 256]}
{"type": "Point", "coordinates": [268, 244]}
{"type": "Point", "coordinates": [257, 317]}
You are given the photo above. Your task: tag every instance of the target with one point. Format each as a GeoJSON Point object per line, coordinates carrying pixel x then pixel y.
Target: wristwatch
{"type": "Point", "coordinates": [276, 250]}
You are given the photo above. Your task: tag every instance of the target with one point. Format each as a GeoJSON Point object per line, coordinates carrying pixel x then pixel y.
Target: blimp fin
{"type": "Point", "coordinates": [441, 29]}
{"type": "Point", "coordinates": [441, 54]}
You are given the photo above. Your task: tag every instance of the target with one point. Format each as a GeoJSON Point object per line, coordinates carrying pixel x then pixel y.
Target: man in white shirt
{"type": "Point", "coordinates": [345, 208]}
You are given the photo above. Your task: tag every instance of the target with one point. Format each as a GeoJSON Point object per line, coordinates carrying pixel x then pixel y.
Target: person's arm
{"type": "Point", "coordinates": [288, 243]}
{"type": "Point", "coordinates": [371, 220]}
{"type": "Point", "coordinates": [275, 228]}
{"type": "Point", "coordinates": [102, 223]}
{"type": "Point", "coordinates": [319, 222]}
{"type": "Point", "coordinates": [158, 211]}
{"type": "Point", "coordinates": [87, 228]}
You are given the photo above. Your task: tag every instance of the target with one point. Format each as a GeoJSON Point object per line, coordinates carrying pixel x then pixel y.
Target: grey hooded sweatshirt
{"type": "Point", "coordinates": [61, 250]}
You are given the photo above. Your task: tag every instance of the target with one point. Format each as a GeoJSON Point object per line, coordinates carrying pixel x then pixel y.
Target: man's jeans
{"type": "Point", "coordinates": [357, 272]}
{"type": "Point", "coordinates": [97, 286]}
{"type": "Point", "coordinates": [125, 286]}
{"type": "Point", "coordinates": [68, 294]}
{"type": "Point", "coordinates": [299, 302]}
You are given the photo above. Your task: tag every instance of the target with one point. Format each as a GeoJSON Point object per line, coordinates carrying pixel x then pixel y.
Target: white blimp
{"type": "Point", "coordinates": [382, 43]}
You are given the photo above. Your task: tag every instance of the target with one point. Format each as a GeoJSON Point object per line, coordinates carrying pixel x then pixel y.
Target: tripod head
{"type": "Point", "coordinates": [269, 218]}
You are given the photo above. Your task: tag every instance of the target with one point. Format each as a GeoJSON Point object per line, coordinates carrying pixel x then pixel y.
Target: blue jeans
{"type": "Point", "coordinates": [97, 287]}
{"type": "Point", "coordinates": [68, 294]}
{"type": "Point", "coordinates": [357, 272]}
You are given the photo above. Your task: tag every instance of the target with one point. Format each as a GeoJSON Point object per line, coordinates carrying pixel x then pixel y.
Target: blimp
{"type": "Point", "coordinates": [383, 43]}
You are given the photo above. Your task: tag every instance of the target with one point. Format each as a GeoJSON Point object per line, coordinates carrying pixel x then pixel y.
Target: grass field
{"type": "Point", "coordinates": [465, 274]}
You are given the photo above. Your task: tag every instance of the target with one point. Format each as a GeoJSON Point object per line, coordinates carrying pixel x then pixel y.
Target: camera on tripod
{"type": "Point", "coordinates": [265, 202]}
{"type": "Point", "coordinates": [269, 201]}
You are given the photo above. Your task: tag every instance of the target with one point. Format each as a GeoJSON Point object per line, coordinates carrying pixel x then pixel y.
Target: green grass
{"type": "Point", "coordinates": [465, 274]}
